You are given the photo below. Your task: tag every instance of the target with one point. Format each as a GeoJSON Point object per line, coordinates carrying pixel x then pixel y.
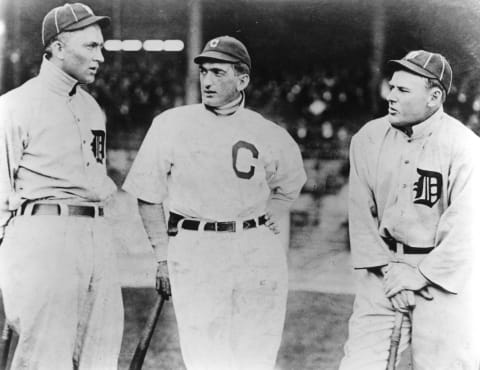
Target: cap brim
{"type": "Point", "coordinates": [102, 21]}
{"type": "Point", "coordinates": [214, 55]}
{"type": "Point", "coordinates": [409, 66]}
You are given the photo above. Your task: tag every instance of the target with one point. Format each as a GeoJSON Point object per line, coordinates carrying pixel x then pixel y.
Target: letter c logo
{"type": "Point", "coordinates": [243, 145]}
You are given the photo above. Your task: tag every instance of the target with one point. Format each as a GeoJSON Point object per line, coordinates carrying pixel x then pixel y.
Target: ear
{"type": "Point", "coordinates": [58, 49]}
{"type": "Point", "coordinates": [435, 97]}
{"type": "Point", "coordinates": [242, 82]}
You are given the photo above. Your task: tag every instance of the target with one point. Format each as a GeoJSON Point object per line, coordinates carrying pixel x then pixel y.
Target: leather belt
{"type": "Point", "coordinates": [55, 209]}
{"type": "Point", "coordinates": [392, 245]}
{"type": "Point", "coordinates": [226, 226]}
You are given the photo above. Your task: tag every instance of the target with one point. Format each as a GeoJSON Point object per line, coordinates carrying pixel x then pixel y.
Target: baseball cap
{"type": "Point", "coordinates": [426, 64]}
{"type": "Point", "coordinates": [225, 49]}
{"type": "Point", "coordinates": [69, 17]}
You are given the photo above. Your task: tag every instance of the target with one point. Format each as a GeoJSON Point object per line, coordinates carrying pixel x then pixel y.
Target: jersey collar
{"type": "Point", "coordinates": [424, 128]}
{"type": "Point", "coordinates": [229, 108]}
{"type": "Point", "coordinates": [57, 80]}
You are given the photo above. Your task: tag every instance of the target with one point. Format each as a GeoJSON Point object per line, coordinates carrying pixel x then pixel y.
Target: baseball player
{"type": "Point", "coordinates": [413, 211]}
{"type": "Point", "coordinates": [228, 174]}
{"type": "Point", "coordinates": [57, 262]}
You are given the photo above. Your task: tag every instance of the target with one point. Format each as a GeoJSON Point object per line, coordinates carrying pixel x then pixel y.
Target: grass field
{"type": "Point", "coordinates": [315, 329]}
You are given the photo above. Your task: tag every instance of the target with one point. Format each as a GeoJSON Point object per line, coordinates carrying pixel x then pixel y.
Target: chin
{"type": "Point", "coordinates": [211, 103]}
{"type": "Point", "coordinates": [394, 120]}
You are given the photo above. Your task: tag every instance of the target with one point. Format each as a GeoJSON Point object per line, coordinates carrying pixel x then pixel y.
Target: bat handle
{"type": "Point", "coordinates": [5, 345]}
{"type": "Point", "coordinates": [395, 341]}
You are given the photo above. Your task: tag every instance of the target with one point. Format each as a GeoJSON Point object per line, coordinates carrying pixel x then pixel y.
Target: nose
{"type": "Point", "coordinates": [99, 55]}
{"type": "Point", "coordinates": [391, 95]}
{"type": "Point", "coordinates": [207, 79]}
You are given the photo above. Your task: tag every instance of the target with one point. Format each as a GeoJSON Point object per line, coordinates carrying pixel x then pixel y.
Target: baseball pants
{"type": "Point", "coordinates": [61, 292]}
{"type": "Point", "coordinates": [442, 332]}
{"type": "Point", "coordinates": [229, 295]}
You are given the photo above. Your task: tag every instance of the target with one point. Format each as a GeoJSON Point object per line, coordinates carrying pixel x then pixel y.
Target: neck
{"type": "Point", "coordinates": [230, 107]}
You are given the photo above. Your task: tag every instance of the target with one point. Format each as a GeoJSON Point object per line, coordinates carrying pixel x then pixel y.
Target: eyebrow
{"type": "Point", "coordinates": [213, 69]}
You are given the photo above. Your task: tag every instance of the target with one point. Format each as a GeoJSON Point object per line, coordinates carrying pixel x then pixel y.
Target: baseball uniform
{"type": "Point", "coordinates": [229, 287]}
{"type": "Point", "coordinates": [57, 261]}
{"type": "Point", "coordinates": [420, 191]}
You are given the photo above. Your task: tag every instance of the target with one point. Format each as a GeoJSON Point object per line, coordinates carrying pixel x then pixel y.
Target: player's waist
{"type": "Point", "coordinates": [176, 221]}
{"type": "Point", "coordinates": [60, 208]}
{"type": "Point", "coordinates": [397, 246]}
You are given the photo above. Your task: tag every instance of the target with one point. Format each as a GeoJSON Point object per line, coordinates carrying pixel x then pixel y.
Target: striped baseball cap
{"type": "Point", "coordinates": [426, 64]}
{"type": "Point", "coordinates": [69, 17]}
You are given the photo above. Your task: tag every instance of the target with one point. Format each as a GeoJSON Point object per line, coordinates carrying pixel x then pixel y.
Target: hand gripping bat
{"type": "Point", "coordinates": [144, 342]}
{"type": "Point", "coordinates": [395, 340]}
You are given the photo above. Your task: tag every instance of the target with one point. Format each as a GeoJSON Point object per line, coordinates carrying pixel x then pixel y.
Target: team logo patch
{"type": "Point", "coordinates": [98, 145]}
{"type": "Point", "coordinates": [214, 43]}
{"type": "Point", "coordinates": [428, 188]}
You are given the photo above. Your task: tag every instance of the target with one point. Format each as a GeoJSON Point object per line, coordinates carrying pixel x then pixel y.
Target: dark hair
{"type": "Point", "coordinates": [241, 68]}
{"type": "Point", "coordinates": [63, 37]}
{"type": "Point", "coordinates": [48, 48]}
{"type": "Point", "coordinates": [432, 83]}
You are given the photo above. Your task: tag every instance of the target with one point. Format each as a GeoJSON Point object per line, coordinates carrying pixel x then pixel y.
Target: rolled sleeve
{"type": "Point", "coordinates": [148, 176]}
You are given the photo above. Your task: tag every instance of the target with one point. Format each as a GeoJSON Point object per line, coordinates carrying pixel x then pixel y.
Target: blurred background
{"type": "Point", "coordinates": [318, 71]}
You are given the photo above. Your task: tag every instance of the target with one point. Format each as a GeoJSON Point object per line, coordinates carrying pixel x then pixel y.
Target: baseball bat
{"type": "Point", "coordinates": [144, 342]}
{"type": "Point", "coordinates": [5, 342]}
{"type": "Point", "coordinates": [395, 340]}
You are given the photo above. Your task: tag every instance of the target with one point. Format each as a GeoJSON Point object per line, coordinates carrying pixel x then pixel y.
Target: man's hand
{"type": "Point", "coordinates": [162, 281]}
{"type": "Point", "coordinates": [403, 301]}
{"type": "Point", "coordinates": [401, 276]}
{"type": "Point", "coordinates": [272, 222]}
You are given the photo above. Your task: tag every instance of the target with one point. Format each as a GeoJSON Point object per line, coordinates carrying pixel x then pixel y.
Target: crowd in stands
{"type": "Point", "coordinates": [321, 107]}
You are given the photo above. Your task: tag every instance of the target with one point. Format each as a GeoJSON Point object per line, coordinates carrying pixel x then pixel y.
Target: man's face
{"type": "Point", "coordinates": [82, 51]}
{"type": "Point", "coordinates": [219, 83]}
{"type": "Point", "coordinates": [408, 99]}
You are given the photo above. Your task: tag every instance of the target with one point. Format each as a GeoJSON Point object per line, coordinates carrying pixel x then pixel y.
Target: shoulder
{"type": "Point", "coordinates": [178, 114]}
{"type": "Point", "coordinates": [373, 131]}
{"type": "Point", "coordinates": [13, 103]}
{"type": "Point", "coordinates": [455, 134]}
{"type": "Point", "coordinates": [263, 124]}
{"type": "Point", "coordinates": [19, 95]}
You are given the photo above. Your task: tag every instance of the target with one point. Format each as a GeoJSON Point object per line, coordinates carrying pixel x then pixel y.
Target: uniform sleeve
{"type": "Point", "coordinates": [450, 264]}
{"type": "Point", "coordinates": [367, 247]}
{"type": "Point", "coordinates": [11, 148]}
{"type": "Point", "coordinates": [289, 176]}
{"type": "Point", "coordinates": [147, 178]}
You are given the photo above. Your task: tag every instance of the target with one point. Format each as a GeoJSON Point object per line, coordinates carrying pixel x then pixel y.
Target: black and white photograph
{"type": "Point", "coordinates": [240, 185]}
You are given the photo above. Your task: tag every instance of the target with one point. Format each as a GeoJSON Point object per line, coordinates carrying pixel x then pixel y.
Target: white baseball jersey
{"type": "Point", "coordinates": [222, 168]}
{"type": "Point", "coordinates": [218, 168]}
{"type": "Point", "coordinates": [57, 273]}
{"type": "Point", "coordinates": [420, 190]}
{"type": "Point", "coordinates": [52, 144]}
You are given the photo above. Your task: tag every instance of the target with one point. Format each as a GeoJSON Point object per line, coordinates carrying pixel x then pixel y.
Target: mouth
{"type": "Point", "coordinates": [208, 93]}
{"type": "Point", "coordinates": [93, 69]}
{"type": "Point", "coordinates": [392, 111]}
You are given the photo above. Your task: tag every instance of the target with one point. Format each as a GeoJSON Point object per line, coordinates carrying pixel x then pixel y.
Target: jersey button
{"type": "Point", "coordinates": [88, 164]}
{"type": "Point", "coordinates": [404, 186]}
{"type": "Point", "coordinates": [406, 161]}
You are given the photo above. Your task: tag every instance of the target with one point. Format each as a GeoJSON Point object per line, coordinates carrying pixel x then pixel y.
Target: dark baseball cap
{"type": "Point", "coordinates": [225, 49]}
{"type": "Point", "coordinates": [426, 64]}
{"type": "Point", "coordinates": [69, 17]}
